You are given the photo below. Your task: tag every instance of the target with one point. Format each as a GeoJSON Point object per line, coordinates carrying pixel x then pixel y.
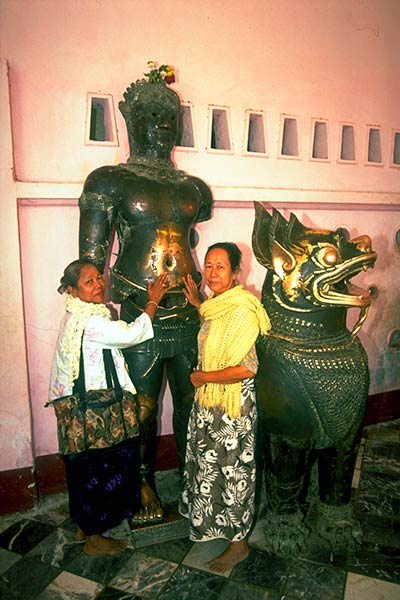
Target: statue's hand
{"type": "Point", "coordinates": [191, 291]}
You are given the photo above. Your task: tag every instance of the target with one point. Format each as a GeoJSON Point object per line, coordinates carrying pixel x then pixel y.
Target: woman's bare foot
{"type": "Point", "coordinates": [79, 536]}
{"type": "Point", "coordinates": [233, 554]}
{"type": "Point", "coordinates": [151, 510]}
{"type": "Point", "coordinates": [98, 544]}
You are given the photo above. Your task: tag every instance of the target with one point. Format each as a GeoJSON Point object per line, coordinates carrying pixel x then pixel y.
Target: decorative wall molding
{"type": "Point", "coordinates": [71, 191]}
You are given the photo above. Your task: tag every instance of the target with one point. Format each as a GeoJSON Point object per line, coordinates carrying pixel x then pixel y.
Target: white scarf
{"type": "Point", "coordinates": [72, 335]}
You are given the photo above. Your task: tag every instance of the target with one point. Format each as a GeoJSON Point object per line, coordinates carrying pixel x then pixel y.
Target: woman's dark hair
{"type": "Point", "coordinates": [72, 273]}
{"type": "Point", "coordinates": [233, 251]}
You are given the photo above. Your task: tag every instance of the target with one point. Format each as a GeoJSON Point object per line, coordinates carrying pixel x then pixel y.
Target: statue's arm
{"type": "Point", "coordinates": [206, 199]}
{"type": "Point", "coordinates": [96, 208]}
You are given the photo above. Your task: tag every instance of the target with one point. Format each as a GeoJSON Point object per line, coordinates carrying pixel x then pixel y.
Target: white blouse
{"type": "Point", "coordinates": [100, 333]}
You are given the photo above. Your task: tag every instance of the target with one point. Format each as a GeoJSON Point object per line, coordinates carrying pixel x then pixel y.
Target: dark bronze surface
{"type": "Point", "coordinates": [312, 383]}
{"type": "Point", "coordinates": [153, 207]}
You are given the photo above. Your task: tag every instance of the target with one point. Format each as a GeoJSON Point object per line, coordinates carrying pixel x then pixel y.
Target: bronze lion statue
{"type": "Point", "coordinates": [313, 378]}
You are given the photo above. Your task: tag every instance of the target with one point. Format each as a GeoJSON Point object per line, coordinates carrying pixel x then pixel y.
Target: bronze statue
{"type": "Point", "coordinates": [153, 207]}
{"type": "Point", "coordinates": [313, 378]}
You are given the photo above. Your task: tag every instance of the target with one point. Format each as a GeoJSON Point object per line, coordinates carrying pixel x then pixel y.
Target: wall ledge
{"type": "Point", "coordinates": [60, 190]}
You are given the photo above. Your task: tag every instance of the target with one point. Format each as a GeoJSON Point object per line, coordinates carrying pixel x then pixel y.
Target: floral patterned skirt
{"type": "Point", "coordinates": [220, 474]}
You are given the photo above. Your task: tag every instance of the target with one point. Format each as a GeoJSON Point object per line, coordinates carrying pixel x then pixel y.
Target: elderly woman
{"type": "Point", "coordinates": [103, 484]}
{"type": "Point", "coordinates": [219, 477]}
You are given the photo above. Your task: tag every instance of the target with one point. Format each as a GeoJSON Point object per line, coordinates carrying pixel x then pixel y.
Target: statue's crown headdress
{"type": "Point", "coordinates": [153, 88]}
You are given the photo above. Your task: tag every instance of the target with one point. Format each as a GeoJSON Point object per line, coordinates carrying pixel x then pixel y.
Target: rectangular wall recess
{"type": "Point", "coordinates": [395, 149]}
{"type": "Point", "coordinates": [289, 142]}
{"type": "Point", "coordinates": [219, 133]}
{"type": "Point", "coordinates": [255, 137]}
{"type": "Point", "coordinates": [101, 128]}
{"type": "Point", "coordinates": [319, 140]}
{"type": "Point", "coordinates": [373, 146]}
{"type": "Point", "coordinates": [347, 146]}
{"type": "Point", "coordinates": [187, 136]}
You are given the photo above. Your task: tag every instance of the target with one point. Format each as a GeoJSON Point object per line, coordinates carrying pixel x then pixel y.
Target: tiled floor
{"type": "Point", "coordinates": [40, 561]}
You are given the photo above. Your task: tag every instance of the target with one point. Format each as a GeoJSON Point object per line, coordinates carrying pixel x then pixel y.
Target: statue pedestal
{"type": "Point", "coordinates": [173, 527]}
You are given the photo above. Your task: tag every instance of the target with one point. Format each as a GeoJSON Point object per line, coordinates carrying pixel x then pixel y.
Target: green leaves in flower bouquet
{"type": "Point", "coordinates": [160, 74]}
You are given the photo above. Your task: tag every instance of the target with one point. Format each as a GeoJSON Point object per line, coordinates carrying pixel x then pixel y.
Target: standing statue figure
{"type": "Point", "coordinates": [312, 382]}
{"type": "Point", "coordinates": [153, 207]}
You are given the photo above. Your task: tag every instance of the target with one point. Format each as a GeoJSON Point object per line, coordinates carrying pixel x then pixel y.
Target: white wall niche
{"type": "Point", "coordinates": [373, 146]}
{"type": "Point", "coordinates": [255, 138]}
{"type": "Point", "coordinates": [319, 148]}
{"type": "Point", "coordinates": [396, 239]}
{"type": "Point", "coordinates": [219, 130]}
{"type": "Point", "coordinates": [395, 149]}
{"type": "Point", "coordinates": [289, 142]}
{"type": "Point", "coordinates": [100, 126]}
{"type": "Point", "coordinates": [187, 140]}
{"type": "Point", "coordinates": [347, 143]}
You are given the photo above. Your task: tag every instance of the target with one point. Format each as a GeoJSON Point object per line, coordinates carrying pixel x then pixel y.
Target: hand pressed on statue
{"type": "Point", "coordinates": [191, 291]}
{"type": "Point", "coordinates": [155, 292]}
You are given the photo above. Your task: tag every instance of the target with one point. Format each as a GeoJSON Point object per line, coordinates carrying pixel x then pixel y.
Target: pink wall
{"type": "Point", "coordinates": [309, 58]}
{"type": "Point", "coordinates": [305, 58]}
{"type": "Point", "coordinates": [59, 221]}
{"type": "Point", "coordinates": [15, 414]}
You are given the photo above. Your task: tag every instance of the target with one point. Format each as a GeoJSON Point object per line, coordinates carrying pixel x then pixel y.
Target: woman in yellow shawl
{"type": "Point", "coordinates": [219, 476]}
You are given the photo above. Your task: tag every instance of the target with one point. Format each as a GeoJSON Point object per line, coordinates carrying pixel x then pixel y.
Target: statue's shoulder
{"type": "Point", "coordinates": [201, 186]}
{"type": "Point", "coordinates": [104, 177]}
{"type": "Point", "coordinates": [102, 187]}
{"type": "Point", "coordinates": [206, 198]}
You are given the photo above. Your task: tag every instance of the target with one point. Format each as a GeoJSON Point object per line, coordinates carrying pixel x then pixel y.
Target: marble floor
{"type": "Point", "coordinates": [40, 561]}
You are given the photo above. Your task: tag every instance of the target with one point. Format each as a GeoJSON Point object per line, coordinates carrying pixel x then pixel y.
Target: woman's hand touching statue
{"type": "Point", "coordinates": [191, 291]}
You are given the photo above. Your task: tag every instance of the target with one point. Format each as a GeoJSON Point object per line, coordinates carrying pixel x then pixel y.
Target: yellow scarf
{"type": "Point", "coordinates": [72, 335]}
{"type": "Point", "coordinates": [237, 317]}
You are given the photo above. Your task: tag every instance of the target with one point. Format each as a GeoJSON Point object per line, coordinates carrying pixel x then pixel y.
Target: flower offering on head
{"type": "Point", "coordinates": [164, 73]}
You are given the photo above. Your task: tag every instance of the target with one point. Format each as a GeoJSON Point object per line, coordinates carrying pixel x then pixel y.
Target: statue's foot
{"type": "Point", "coordinates": [286, 533]}
{"type": "Point", "coordinates": [338, 526]}
{"type": "Point", "coordinates": [79, 536]}
{"type": "Point", "coordinates": [151, 510]}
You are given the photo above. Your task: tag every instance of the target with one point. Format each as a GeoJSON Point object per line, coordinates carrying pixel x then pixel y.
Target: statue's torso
{"type": "Point", "coordinates": [153, 209]}
{"type": "Point", "coordinates": [153, 222]}
{"type": "Point", "coordinates": [313, 376]}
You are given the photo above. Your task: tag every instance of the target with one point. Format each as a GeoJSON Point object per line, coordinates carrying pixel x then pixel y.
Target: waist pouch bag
{"type": "Point", "coordinates": [95, 419]}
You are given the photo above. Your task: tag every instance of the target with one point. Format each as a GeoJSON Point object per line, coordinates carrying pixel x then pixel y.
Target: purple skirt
{"type": "Point", "coordinates": [103, 486]}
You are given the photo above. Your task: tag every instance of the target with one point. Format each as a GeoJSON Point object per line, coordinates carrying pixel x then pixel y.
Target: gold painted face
{"type": "Point", "coordinates": [311, 267]}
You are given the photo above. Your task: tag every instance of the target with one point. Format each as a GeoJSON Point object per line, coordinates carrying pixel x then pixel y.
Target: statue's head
{"type": "Point", "coordinates": [152, 114]}
{"type": "Point", "coordinates": [311, 269]}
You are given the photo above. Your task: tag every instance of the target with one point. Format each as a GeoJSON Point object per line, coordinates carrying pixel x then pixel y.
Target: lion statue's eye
{"type": "Point", "coordinates": [330, 256]}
